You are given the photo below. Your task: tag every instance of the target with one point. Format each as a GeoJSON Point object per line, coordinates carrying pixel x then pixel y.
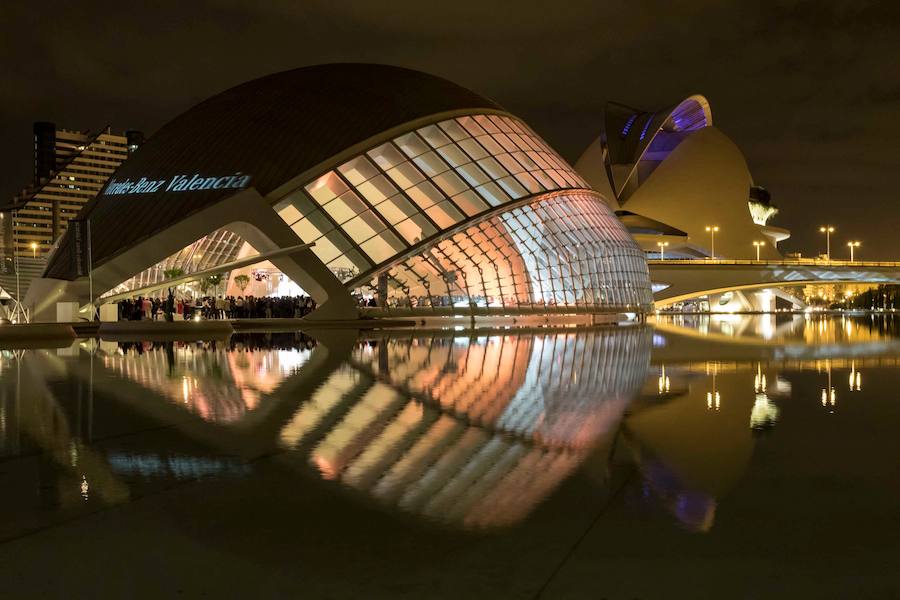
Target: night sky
{"type": "Point", "coordinates": [810, 91]}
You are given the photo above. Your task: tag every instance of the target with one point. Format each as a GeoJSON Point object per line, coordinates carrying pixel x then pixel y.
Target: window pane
{"type": "Point", "coordinates": [307, 231]}
{"type": "Point", "coordinates": [289, 213]}
{"type": "Point", "coordinates": [405, 175]}
{"type": "Point", "coordinates": [377, 189]}
{"type": "Point", "coordinates": [450, 183]}
{"type": "Point", "coordinates": [472, 174]}
{"type": "Point", "coordinates": [471, 126]}
{"type": "Point", "coordinates": [473, 148]}
{"type": "Point", "coordinates": [386, 156]}
{"type": "Point", "coordinates": [425, 194]}
{"type": "Point", "coordinates": [396, 209]}
{"type": "Point", "coordinates": [453, 155]}
{"type": "Point", "coordinates": [434, 136]}
{"type": "Point", "coordinates": [431, 164]}
{"type": "Point", "coordinates": [415, 229]}
{"type": "Point", "coordinates": [493, 194]}
{"type": "Point", "coordinates": [382, 247]}
{"type": "Point", "coordinates": [411, 144]}
{"type": "Point", "coordinates": [326, 187]}
{"type": "Point", "coordinates": [444, 215]}
{"type": "Point", "coordinates": [493, 168]}
{"type": "Point", "coordinates": [358, 170]}
{"type": "Point", "coordinates": [512, 187]}
{"type": "Point", "coordinates": [325, 250]}
{"type": "Point", "coordinates": [363, 227]}
{"type": "Point", "coordinates": [453, 129]}
{"type": "Point", "coordinates": [345, 208]}
{"type": "Point", "coordinates": [469, 202]}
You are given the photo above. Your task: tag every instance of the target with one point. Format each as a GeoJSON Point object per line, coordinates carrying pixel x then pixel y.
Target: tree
{"type": "Point", "coordinates": [173, 273]}
{"type": "Point", "coordinates": [242, 281]}
{"type": "Point", "coordinates": [214, 281]}
{"type": "Point", "coordinates": [205, 284]}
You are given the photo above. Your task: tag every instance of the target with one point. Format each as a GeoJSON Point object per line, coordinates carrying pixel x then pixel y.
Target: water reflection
{"type": "Point", "coordinates": [473, 430]}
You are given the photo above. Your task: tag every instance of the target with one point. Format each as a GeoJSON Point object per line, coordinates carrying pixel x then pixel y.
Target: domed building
{"type": "Point", "coordinates": [670, 175]}
{"type": "Point", "coordinates": [355, 180]}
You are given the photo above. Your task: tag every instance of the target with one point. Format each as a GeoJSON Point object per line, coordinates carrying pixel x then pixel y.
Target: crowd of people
{"type": "Point", "coordinates": [211, 307]}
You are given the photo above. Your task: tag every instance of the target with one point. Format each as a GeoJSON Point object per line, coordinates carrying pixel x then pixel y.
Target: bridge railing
{"type": "Point", "coordinates": [785, 262]}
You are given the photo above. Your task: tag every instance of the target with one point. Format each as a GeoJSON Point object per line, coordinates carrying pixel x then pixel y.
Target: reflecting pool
{"type": "Point", "coordinates": [695, 456]}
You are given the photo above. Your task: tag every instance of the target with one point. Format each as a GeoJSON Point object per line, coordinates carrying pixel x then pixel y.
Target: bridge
{"type": "Point", "coordinates": [687, 279]}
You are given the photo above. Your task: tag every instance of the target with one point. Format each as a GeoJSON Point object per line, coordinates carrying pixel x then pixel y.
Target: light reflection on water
{"type": "Point", "coordinates": [473, 430]}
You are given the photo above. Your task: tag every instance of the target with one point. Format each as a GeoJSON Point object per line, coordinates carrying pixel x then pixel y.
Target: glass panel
{"type": "Point", "coordinates": [530, 183]}
{"type": "Point", "coordinates": [396, 209]}
{"type": "Point", "coordinates": [453, 155]}
{"type": "Point", "coordinates": [386, 156]}
{"type": "Point", "coordinates": [416, 229]}
{"type": "Point", "coordinates": [473, 148]}
{"type": "Point", "coordinates": [444, 215]}
{"type": "Point", "coordinates": [377, 189]}
{"type": "Point", "coordinates": [492, 146]}
{"type": "Point", "coordinates": [431, 164]}
{"type": "Point", "coordinates": [326, 188]}
{"type": "Point", "coordinates": [345, 208]}
{"type": "Point", "coordinates": [450, 183]}
{"type": "Point", "coordinates": [425, 194]}
{"type": "Point", "coordinates": [453, 129]}
{"type": "Point", "coordinates": [289, 213]}
{"type": "Point", "coordinates": [358, 170]}
{"type": "Point", "coordinates": [472, 174]}
{"type": "Point", "coordinates": [405, 175]}
{"type": "Point", "coordinates": [511, 164]}
{"type": "Point", "coordinates": [493, 194]}
{"type": "Point", "coordinates": [512, 187]}
{"type": "Point", "coordinates": [471, 126]}
{"type": "Point", "coordinates": [325, 250]}
{"type": "Point", "coordinates": [411, 144]}
{"type": "Point", "coordinates": [486, 123]}
{"type": "Point", "coordinates": [363, 227]}
{"type": "Point", "coordinates": [434, 136]}
{"type": "Point", "coordinates": [382, 247]}
{"type": "Point", "coordinates": [492, 168]}
{"type": "Point", "coordinates": [309, 231]}
{"type": "Point", "coordinates": [469, 202]}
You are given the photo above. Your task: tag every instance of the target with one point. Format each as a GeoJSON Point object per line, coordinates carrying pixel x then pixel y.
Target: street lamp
{"type": "Point", "coordinates": [712, 229]}
{"type": "Point", "coordinates": [33, 250]}
{"type": "Point", "coordinates": [662, 249]}
{"type": "Point", "coordinates": [758, 246]}
{"type": "Point", "coordinates": [827, 230]}
{"type": "Point", "coordinates": [852, 246]}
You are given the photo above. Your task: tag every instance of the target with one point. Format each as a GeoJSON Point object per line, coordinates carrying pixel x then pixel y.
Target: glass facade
{"type": "Point", "coordinates": [379, 204]}
{"type": "Point", "coordinates": [217, 248]}
{"type": "Point", "coordinates": [567, 249]}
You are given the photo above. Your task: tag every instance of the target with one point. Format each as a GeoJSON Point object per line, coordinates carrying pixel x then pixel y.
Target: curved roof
{"type": "Point", "coordinates": [630, 133]}
{"type": "Point", "coordinates": [270, 129]}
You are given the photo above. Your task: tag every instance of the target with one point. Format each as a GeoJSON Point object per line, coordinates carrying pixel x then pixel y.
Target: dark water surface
{"type": "Point", "coordinates": [697, 457]}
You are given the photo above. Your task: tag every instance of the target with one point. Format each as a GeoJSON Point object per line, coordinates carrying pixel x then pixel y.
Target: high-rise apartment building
{"type": "Point", "coordinates": [70, 168]}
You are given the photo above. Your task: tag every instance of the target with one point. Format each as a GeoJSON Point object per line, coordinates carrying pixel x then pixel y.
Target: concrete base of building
{"type": "Point", "coordinates": [164, 330]}
{"type": "Point", "coordinates": [44, 335]}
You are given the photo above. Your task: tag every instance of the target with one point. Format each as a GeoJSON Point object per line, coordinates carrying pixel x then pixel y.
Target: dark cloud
{"type": "Point", "coordinates": [808, 90]}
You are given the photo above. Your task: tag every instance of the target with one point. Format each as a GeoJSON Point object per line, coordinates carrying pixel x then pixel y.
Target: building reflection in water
{"type": "Point", "coordinates": [472, 431]}
{"type": "Point", "coordinates": [219, 381]}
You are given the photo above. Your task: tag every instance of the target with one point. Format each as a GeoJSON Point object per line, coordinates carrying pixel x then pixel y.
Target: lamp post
{"type": "Point", "coordinates": [712, 229]}
{"type": "Point", "coordinates": [827, 230]}
{"type": "Point", "coordinates": [33, 250]}
{"type": "Point", "coordinates": [662, 249]}
{"type": "Point", "coordinates": [758, 245]}
{"type": "Point", "coordinates": [852, 245]}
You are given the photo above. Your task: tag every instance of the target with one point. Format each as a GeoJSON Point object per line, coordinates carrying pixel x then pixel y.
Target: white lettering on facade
{"type": "Point", "coordinates": [177, 183]}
